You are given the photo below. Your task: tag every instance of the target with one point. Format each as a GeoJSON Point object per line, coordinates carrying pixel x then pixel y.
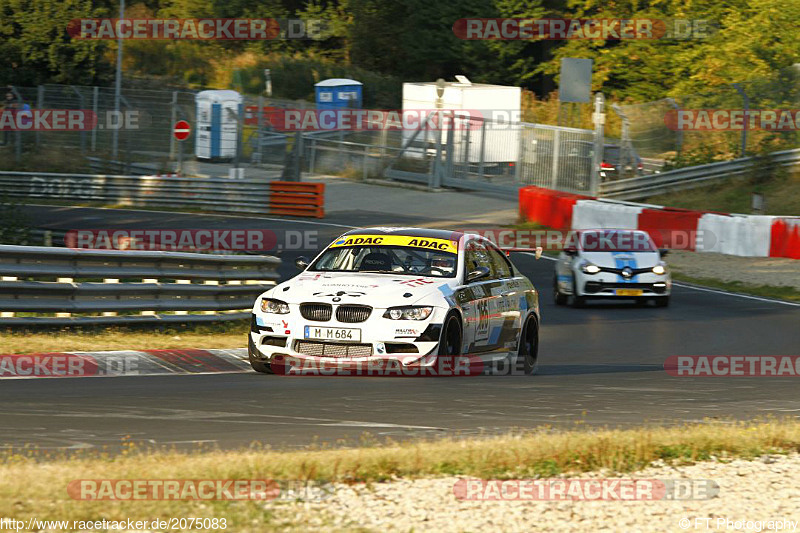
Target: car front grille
{"type": "Point", "coordinates": [333, 349]}
{"type": "Point", "coordinates": [316, 312]}
{"type": "Point", "coordinates": [592, 287]}
{"type": "Point", "coordinates": [353, 313]}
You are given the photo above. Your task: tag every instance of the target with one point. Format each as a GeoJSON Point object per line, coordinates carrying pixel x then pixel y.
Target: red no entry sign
{"type": "Point", "coordinates": [181, 130]}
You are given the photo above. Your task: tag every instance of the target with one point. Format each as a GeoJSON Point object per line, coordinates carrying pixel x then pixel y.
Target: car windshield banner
{"type": "Point", "coordinates": [441, 245]}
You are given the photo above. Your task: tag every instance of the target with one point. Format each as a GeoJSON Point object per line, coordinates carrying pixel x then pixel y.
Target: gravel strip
{"type": "Point", "coordinates": [751, 270]}
{"type": "Point", "coordinates": [760, 490]}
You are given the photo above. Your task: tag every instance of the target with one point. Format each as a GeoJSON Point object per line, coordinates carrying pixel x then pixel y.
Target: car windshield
{"type": "Point", "coordinates": [396, 260]}
{"type": "Point", "coordinates": [611, 153]}
{"type": "Point", "coordinates": [616, 241]}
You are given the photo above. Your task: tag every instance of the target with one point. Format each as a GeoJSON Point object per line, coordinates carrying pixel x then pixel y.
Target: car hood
{"type": "Point", "coordinates": [623, 259]}
{"type": "Point", "coordinates": [377, 290]}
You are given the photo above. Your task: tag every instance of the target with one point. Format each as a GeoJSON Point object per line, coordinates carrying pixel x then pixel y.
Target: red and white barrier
{"type": "Point", "coordinates": [785, 238]}
{"type": "Point", "coordinates": [742, 235]}
{"type": "Point", "coordinates": [589, 214]}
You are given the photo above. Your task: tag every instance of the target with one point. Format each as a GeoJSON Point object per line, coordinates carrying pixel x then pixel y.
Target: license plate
{"type": "Point", "coordinates": [629, 292]}
{"type": "Point", "coordinates": [332, 334]}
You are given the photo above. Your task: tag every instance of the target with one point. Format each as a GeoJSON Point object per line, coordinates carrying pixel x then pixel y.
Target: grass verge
{"type": "Point", "coordinates": [33, 485]}
{"type": "Point", "coordinates": [782, 196]}
{"type": "Point", "coordinates": [767, 291]}
{"type": "Point", "coordinates": [223, 335]}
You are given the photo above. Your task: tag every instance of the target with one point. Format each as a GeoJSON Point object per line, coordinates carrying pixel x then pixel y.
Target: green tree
{"type": "Point", "coordinates": [36, 47]}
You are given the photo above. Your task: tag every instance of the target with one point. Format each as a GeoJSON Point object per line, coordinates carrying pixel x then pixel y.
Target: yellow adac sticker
{"type": "Point", "coordinates": [442, 245]}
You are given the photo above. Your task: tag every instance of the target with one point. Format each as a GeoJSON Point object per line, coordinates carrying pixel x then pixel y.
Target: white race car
{"type": "Point", "coordinates": [611, 263]}
{"type": "Point", "coordinates": [403, 294]}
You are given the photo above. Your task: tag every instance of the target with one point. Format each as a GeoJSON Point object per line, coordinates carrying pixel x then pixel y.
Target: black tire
{"type": "Point", "coordinates": [528, 350]}
{"type": "Point", "coordinates": [577, 301]}
{"type": "Point", "coordinates": [449, 345]}
{"type": "Point", "coordinates": [662, 301]}
{"type": "Point", "coordinates": [558, 297]}
{"type": "Point", "coordinates": [257, 364]}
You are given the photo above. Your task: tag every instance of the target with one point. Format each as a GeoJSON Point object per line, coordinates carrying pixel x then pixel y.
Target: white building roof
{"type": "Point", "coordinates": [337, 82]}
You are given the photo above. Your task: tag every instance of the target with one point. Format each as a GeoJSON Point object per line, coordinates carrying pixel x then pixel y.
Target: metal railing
{"type": "Point", "coordinates": [62, 286]}
{"type": "Point", "coordinates": [690, 177]}
{"type": "Point", "coordinates": [209, 194]}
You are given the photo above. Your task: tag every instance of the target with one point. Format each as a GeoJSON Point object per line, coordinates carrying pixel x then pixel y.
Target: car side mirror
{"type": "Point", "coordinates": [301, 262]}
{"type": "Point", "coordinates": [572, 252]}
{"type": "Point", "coordinates": [478, 273]}
{"type": "Point", "coordinates": [663, 252]}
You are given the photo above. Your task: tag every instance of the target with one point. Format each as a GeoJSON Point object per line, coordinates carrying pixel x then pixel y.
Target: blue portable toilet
{"type": "Point", "coordinates": [338, 93]}
{"type": "Point", "coordinates": [217, 125]}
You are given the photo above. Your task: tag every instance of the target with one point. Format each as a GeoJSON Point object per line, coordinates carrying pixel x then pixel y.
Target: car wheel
{"type": "Point", "coordinates": [449, 344]}
{"type": "Point", "coordinates": [662, 301]}
{"type": "Point", "coordinates": [528, 352]}
{"type": "Point", "coordinates": [257, 364]}
{"type": "Point", "coordinates": [558, 297]}
{"type": "Point", "coordinates": [577, 300]}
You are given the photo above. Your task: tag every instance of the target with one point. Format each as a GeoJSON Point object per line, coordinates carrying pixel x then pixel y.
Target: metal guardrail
{"type": "Point", "coordinates": [209, 194]}
{"type": "Point", "coordinates": [134, 286]}
{"type": "Point", "coordinates": [690, 177]}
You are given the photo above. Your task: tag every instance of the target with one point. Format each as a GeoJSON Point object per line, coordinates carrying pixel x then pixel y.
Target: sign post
{"type": "Point", "coordinates": [181, 131]}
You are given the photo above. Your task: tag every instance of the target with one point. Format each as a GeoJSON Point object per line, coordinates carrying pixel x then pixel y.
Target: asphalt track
{"type": "Point", "coordinates": [599, 366]}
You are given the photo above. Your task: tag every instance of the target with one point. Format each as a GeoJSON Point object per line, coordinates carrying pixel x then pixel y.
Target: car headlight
{"type": "Point", "coordinates": [269, 305]}
{"type": "Point", "coordinates": [659, 269]}
{"type": "Point", "coordinates": [408, 313]}
{"type": "Point", "coordinates": [590, 268]}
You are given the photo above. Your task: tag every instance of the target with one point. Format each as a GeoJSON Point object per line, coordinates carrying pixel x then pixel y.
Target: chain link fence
{"type": "Point", "coordinates": [651, 132]}
{"type": "Point", "coordinates": [140, 132]}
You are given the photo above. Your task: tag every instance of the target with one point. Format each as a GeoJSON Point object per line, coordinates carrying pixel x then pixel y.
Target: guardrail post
{"type": "Point", "coordinates": [173, 119]}
{"type": "Point", "coordinates": [95, 95]}
{"type": "Point", "coordinates": [366, 158]}
{"type": "Point", "coordinates": [481, 157]}
{"type": "Point", "coordinates": [599, 119]}
{"type": "Point", "coordinates": [82, 103]}
{"type": "Point", "coordinates": [260, 121]}
{"type": "Point", "coordinates": [556, 151]}
{"type": "Point", "coordinates": [467, 149]}
{"type": "Point", "coordinates": [40, 105]}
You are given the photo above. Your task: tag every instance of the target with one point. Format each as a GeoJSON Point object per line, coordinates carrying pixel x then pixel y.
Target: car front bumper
{"type": "Point", "coordinates": [607, 285]}
{"type": "Point", "coordinates": [409, 341]}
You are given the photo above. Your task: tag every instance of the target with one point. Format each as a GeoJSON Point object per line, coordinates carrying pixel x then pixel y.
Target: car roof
{"type": "Point", "coordinates": [409, 232]}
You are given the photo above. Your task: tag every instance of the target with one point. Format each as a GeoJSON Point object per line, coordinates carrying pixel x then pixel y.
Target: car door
{"type": "Point", "coordinates": [564, 268]}
{"type": "Point", "coordinates": [475, 297]}
{"type": "Point", "coordinates": [482, 301]}
{"type": "Point", "coordinates": [507, 315]}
